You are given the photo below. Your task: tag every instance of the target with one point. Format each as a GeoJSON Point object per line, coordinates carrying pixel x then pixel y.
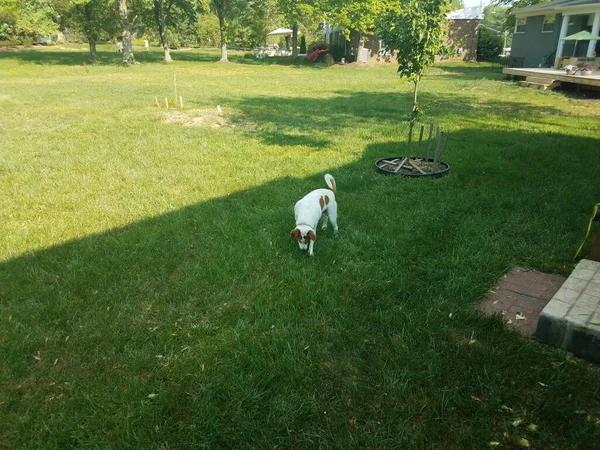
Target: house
{"type": "Point", "coordinates": [540, 29]}
{"type": "Point", "coordinates": [463, 31]}
{"type": "Point", "coordinates": [463, 34]}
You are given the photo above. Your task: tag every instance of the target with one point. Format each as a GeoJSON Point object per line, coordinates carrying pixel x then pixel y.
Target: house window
{"type": "Point", "coordinates": [520, 25]}
{"type": "Point", "coordinates": [548, 26]}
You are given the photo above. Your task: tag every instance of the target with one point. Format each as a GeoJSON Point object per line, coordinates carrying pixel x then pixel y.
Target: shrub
{"type": "Point", "coordinates": [328, 59]}
{"type": "Point", "coordinates": [302, 45]}
{"type": "Point", "coordinates": [316, 46]}
{"type": "Point", "coordinates": [488, 46]}
{"type": "Point", "coordinates": [338, 51]}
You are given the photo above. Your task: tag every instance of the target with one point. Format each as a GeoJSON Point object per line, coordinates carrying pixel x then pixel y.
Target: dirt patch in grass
{"type": "Point", "coordinates": [197, 118]}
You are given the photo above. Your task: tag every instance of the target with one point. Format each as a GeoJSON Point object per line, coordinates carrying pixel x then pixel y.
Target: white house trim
{"type": "Point", "coordinates": [561, 43]}
{"type": "Point", "coordinates": [595, 29]}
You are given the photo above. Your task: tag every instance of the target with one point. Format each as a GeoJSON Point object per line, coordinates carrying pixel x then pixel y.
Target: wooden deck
{"type": "Point", "coordinates": [549, 78]}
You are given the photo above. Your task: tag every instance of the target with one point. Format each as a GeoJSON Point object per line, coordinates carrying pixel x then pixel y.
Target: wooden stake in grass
{"type": "Point", "coordinates": [409, 138]}
{"type": "Point", "coordinates": [440, 136]}
{"type": "Point", "coordinates": [444, 140]}
{"type": "Point", "coordinates": [420, 140]}
{"type": "Point", "coordinates": [181, 101]}
{"type": "Point", "coordinates": [175, 87]}
{"type": "Point", "coordinates": [429, 142]}
{"type": "Point", "coordinates": [156, 100]}
{"type": "Point", "coordinates": [166, 102]}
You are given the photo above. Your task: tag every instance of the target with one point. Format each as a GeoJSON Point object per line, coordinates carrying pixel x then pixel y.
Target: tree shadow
{"type": "Point", "coordinates": [80, 58]}
{"type": "Point", "coordinates": [473, 71]}
{"type": "Point", "coordinates": [213, 310]}
{"type": "Point", "coordinates": [138, 310]}
{"type": "Point", "coordinates": [284, 119]}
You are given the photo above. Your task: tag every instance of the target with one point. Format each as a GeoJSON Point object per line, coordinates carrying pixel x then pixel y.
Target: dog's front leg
{"type": "Point", "coordinates": [310, 248]}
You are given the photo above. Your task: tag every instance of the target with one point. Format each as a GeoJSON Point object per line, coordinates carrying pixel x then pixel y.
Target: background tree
{"type": "Point", "coordinates": [36, 18]}
{"type": "Point", "coordinates": [357, 15]}
{"type": "Point", "coordinates": [295, 12]}
{"type": "Point", "coordinates": [417, 30]}
{"type": "Point", "coordinates": [95, 19]}
{"type": "Point", "coordinates": [207, 30]}
{"type": "Point", "coordinates": [222, 9]}
{"type": "Point", "coordinates": [9, 16]}
{"type": "Point", "coordinates": [172, 13]}
{"type": "Point", "coordinates": [128, 57]}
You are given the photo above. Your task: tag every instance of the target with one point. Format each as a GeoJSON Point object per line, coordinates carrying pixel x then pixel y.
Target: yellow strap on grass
{"type": "Point", "coordinates": [589, 228]}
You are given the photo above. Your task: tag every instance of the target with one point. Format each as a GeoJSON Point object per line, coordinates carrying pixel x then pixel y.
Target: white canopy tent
{"type": "Point", "coordinates": [281, 32]}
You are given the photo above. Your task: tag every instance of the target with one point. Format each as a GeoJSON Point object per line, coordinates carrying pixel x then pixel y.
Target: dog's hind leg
{"type": "Point", "coordinates": [325, 219]}
{"type": "Point", "coordinates": [332, 213]}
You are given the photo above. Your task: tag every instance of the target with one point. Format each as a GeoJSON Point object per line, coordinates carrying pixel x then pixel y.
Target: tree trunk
{"type": "Point", "coordinates": [161, 21]}
{"type": "Point", "coordinates": [221, 15]}
{"type": "Point", "coordinates": [415, 107]}
{"type": "Point", "coordinates": [128, 57]}
{"type": "Point", "coordinates": [295, 40]}
{"type": "Point", "coordinates": [361, 45]}
{"type": "Point", "coordinates": [89, 29]}
{"type": "Point", "coordinates": [93, 54]}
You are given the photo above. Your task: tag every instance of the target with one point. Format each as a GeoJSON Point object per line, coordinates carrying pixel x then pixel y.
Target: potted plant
{"type": "Point", "coordinates": [587, 69]}
{"type": "Point", "coordinates": [570, 69]}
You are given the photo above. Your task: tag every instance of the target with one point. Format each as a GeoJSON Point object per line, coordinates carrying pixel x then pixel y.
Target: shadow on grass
{"type": "Point", "coordinates": [468, 72]}
{"type": "Point", "coordinates": [78, 58]}
{"type": "Point", "coordinates": [208, 325]}
{"type": "Point", "coordinates": [291, 121]}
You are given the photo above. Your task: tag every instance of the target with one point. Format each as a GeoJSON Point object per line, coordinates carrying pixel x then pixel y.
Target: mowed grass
{"type": "Point", "coordinates": [150, 295]}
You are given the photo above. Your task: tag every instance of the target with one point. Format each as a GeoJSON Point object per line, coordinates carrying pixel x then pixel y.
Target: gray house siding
{"type": "Point", "coordinates": [532, 48]}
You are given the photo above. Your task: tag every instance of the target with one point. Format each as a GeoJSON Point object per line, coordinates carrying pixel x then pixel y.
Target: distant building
{"type": "Point", "coordinates": [463, 27]}
{"type": "Point", "coordinates": [463, 31]}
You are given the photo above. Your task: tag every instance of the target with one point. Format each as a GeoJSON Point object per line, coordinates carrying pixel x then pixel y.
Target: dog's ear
{"type": "Point", "coordinates": [311, 235]}
{"type": "Point", "coordinates": [295, 233]}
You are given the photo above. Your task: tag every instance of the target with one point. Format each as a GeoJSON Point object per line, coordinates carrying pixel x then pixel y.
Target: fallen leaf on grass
{"type": "Point", "coordinates": [523, 443]}
{"type": "Point", "coordinates": [532, 427]}
{"type": "Point", "coordinates": [506, 408]}
{"type": "Point", "coordinates": [517, 422]}
{"type": "Point", "coordinates": [450, 315]}
{"type": "Point", "coordinates": [152, 395]}
{"type": "Point", "coordinates": [542, 384]}
{"type": "Point", "coordinates": [494, 444]}
{"type": "Point", "coordinates": [519, 316]}
{"type": "Point", "coordinates": [477, 399]}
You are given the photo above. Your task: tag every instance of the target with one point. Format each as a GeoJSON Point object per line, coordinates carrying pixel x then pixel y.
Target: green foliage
{"type": "Point", "coordinates": [417, 31]}
{"type": "Point", "coordinates": [303, 44]}
{"type": "Point", "coordinates": [328, 59]}
{"type": "Point", "coordinates": [489, 45]}
{"type": "Point", "coordinates": [208, 30]}
{"type": "Point", "coordinates": [356, 15]}
{"type": "Point", "coordinates": [36, 18]}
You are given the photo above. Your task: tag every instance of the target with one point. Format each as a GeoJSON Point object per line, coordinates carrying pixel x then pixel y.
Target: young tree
{"type": "Point", "coordinates": [417, 30]}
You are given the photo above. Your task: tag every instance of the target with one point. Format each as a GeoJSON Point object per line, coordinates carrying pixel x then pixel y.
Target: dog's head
{"type": "Point", "coordinates": [303, 234]}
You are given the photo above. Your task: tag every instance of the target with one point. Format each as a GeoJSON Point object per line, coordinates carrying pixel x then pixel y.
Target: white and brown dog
{"type": "Point", "coordinates": [308, 211]}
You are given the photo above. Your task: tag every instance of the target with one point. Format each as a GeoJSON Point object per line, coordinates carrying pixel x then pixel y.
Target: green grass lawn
{"type": "Point", "coordinates": [150, 295]}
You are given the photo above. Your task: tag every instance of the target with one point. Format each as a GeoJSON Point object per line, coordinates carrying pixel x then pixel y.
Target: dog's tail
{"type": "Point", "coordinates": [330, 182]}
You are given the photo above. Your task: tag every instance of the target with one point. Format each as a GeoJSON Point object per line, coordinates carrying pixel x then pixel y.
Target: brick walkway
{"type": "Point", "coordinates": [520, 297]}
